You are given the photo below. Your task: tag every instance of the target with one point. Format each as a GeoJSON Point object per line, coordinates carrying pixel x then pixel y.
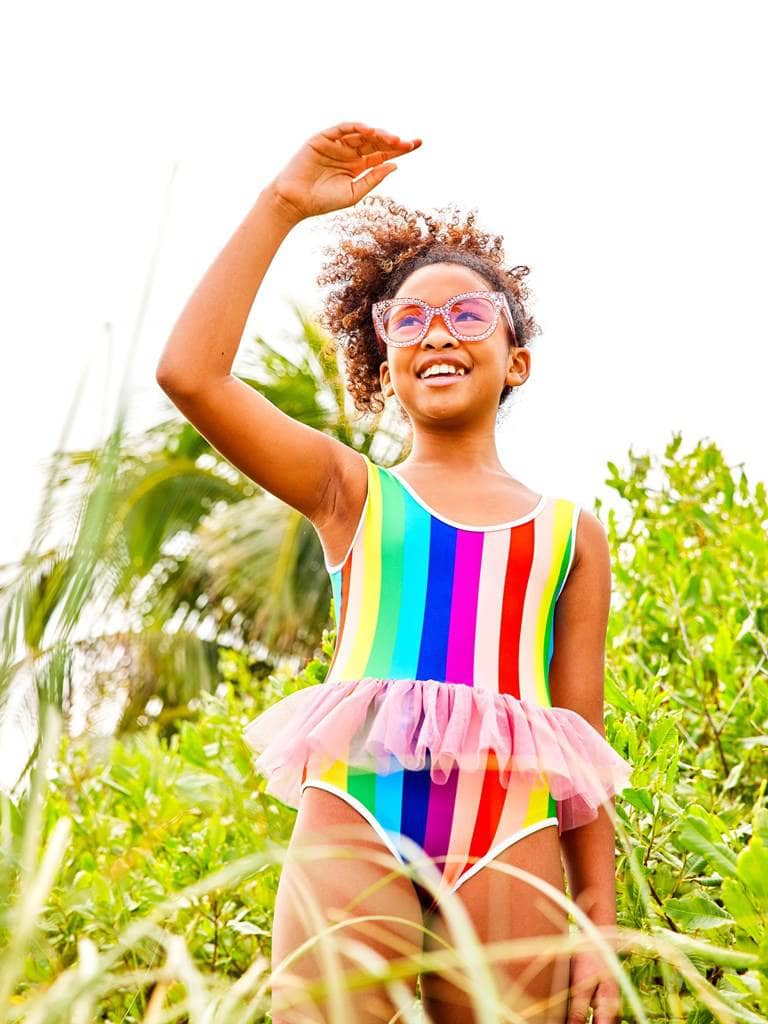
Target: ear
{"type": "Point", "coordinates": [518, 366]}
{"type": "Point", "coordinates": [385, 381]}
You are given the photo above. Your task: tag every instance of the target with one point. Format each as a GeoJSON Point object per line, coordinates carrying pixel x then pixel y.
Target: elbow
{"type": "Point", "coordinates": [171, 381]}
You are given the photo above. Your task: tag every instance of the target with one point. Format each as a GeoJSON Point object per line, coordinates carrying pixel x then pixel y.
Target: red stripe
{"type": "Point", "coordinates": [519, 560]}
{"type": "Point", "coordinates": [488, 811]}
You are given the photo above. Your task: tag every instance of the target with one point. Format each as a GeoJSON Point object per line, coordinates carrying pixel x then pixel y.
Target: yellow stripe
{"type": "Point", "coordinates": [538, 805]}
{"type": "Point", "coordinates": [561, 525]}
{"type": "Point", "coordinates": [369, 599]}
{"type": "Point", "coordinates": [335, 774]}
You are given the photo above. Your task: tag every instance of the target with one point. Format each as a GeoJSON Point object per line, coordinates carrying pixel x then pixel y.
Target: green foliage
{"type": "Point", "coordinates": [687, 696]}
{"type": "Point", "coordinates": [149, 818]}
{"type": "Point", "coordinates": [686, 702]}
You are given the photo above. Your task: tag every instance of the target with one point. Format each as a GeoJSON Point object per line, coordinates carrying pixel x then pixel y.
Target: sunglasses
{"type": "Point", "coordinates": [469, 316]}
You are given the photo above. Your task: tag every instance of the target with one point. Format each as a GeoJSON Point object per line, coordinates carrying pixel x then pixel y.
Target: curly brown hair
{"type": "Point", "coordinates": [382, 244]}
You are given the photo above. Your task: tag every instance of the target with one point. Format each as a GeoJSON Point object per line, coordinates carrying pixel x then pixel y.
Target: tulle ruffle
{"type": "Point", "coordinates": [388, 724]}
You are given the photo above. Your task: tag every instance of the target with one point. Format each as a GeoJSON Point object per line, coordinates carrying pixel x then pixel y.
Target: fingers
{"type": "Point", "coordinates": [363, 139]}
{"type": "Point", "coordinates": [370, 181]}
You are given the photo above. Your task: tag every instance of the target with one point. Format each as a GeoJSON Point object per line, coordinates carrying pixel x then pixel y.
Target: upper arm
{"type": "Point", "coordinates": [297, 463]}
{"type": "Point", "coordinates": [577, 668]}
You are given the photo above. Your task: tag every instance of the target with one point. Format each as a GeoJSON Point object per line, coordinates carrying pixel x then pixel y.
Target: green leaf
{"type": "Point", "coordinates": [697, 913]}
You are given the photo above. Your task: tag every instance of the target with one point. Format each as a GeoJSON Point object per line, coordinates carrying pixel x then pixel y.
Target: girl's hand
{"type": "Point", "coordinates": [318, 178]}
{"type": "Point", "coordinates": [592, 984]}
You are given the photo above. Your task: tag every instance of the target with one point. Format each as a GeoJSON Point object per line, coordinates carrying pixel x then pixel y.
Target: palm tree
{"type": "Point", "coordinates": [174, 554]}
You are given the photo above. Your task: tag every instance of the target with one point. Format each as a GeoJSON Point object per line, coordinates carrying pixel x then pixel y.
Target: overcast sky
{"type": "Point", "coordinates": [619, 149]}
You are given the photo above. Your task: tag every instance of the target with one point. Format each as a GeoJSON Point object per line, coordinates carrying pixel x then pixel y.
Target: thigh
{"type": "Point", "coordinates": [501, 908]}
{"type": "Point", "coordinates": [326, 889]}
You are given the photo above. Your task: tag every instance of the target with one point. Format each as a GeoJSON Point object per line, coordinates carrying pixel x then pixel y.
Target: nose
{"type": "Point", "coordinates": [438, 334]}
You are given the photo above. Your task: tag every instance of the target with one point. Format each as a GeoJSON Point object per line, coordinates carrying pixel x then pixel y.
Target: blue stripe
{"type": "Point", "coordinates": [413, 593]}
{"type": "Point", "coordinates": [437, 617]}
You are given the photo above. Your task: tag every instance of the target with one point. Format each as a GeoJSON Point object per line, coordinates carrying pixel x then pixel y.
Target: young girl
{"type": "Point", "coordinates": [460, 727]}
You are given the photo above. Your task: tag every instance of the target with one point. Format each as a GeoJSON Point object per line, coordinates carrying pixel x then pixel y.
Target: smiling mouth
{"type": "Point", "coordinates": [446, 377]}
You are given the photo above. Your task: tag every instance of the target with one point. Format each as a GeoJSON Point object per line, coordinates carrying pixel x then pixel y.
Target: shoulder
{"type": "Point", "coordinates": [590, 539]}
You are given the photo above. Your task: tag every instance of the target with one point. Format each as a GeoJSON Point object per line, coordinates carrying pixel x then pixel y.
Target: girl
{"type": "Point", "coordinates": [460, 727]}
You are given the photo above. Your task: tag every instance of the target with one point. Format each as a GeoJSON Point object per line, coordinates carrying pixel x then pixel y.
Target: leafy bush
{"type": "Point", "coordinates": [155, 825]}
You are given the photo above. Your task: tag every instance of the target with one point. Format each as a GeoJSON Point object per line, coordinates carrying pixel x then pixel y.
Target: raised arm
{"type": "Point", "coordinates": [299, 464]}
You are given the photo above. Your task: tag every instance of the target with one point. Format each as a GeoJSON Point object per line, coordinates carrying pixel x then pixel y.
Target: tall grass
{"type": "Point", "coordinates": [138, 874]}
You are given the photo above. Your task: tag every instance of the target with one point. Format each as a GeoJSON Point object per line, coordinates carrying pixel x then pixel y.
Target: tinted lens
{"type": "Point", "coordinates": [472, 317]}
{"type": "Point", "coordinates": [403, 322]}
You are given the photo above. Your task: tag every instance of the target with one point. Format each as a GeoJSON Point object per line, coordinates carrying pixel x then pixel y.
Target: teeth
{"type": "Point", "coordinates": [436, 368]}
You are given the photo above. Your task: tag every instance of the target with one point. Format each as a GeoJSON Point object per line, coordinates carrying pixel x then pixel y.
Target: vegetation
{"type": "Point", "coordinates": [138, 867]}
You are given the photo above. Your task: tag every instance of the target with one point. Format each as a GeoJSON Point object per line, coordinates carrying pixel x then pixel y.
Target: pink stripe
{"type": "Point", "coordinates": [466, 578]}
{"type": "Point", "coordinates": [515, 809]}
{"type": "Point", "coordinates": [489, 602]}
{"type": "Point", "coordinates": [468, 790]}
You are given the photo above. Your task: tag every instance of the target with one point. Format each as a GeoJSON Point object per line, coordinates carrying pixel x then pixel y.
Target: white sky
{"type": "Point", "coordinates": [618, 148]}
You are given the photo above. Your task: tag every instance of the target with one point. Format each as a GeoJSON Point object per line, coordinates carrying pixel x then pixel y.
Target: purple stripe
{"type": "Point", "coordinates": [440, 815]}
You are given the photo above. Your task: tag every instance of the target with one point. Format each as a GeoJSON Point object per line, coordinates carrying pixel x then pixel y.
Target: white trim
{"type": "Point", "coordinates": [503, 845]}
{"type": "Point", "coordinates": [466, 526]}
{"type": "Point", "coordinates": [386, 839]}
{"type": "Point", "coordinates": [339, 565]}
{"type": "Point", "coordinates": [360, 808]}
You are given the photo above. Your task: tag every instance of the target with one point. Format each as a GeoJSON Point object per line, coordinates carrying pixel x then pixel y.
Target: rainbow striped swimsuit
{"type": "Point", "coordinates": [435, 720]}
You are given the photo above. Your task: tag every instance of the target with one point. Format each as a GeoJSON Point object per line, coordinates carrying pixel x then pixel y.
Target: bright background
{"type": "Point", "coordinates": [617, 148]}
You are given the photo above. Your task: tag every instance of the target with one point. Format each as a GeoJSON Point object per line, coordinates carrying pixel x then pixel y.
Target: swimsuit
{"type": "Point", "coordinates": [435, 721]}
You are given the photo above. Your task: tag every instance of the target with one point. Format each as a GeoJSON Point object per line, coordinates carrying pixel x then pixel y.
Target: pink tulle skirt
{"type": "Point", "coordinates": [384, 725]}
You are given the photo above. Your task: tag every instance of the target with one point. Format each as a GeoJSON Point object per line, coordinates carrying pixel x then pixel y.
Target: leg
{"type": "Point", "coordinates": [327, 888]}
{"type": "Point", "coordinates": [503, 908]}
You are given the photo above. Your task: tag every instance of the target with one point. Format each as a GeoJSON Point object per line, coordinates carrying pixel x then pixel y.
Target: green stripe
{"type": "Point", "coordinates": [391, 552]}
{"type": "Point", "coordinates": [362, 784]}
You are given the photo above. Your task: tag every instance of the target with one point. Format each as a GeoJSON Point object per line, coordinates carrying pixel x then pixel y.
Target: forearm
{"type": "Point", "coordinates": [589, 853]}
{"type": "Point", "coordinates": [205, 338]}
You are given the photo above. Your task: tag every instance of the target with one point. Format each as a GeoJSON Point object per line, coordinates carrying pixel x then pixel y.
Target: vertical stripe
{"type": "Point", "coordinates": [515, 586]}
{"type": "Point", "coordinates": [416, 786]}
{"type": "Point", "coordinates": [389, 796]}
{"type": "Point", "coordinates": [413, 592]}
{"type": "Point", "coordinates": [468, 789]}
{"type": "Point", "coordinates": [437, 613]}
{"type": "Point", "coordinates": [336, 590]}
{"type": "Point", "coordinates": [361, 784]}
{"type": "Point", "coordinates": [567, 561]}
{"type": "Point", "coordinates": [391, 560]}
{"type": "Point", "coordinates": [366, 584]}
{"type": "Point", "coordinates": [560, 526]}
{"type": "Point", "coordinates": [442, 797]}
{"type": "Point", "coordinates": [538, 804]}
{"type": "Point", "coordinates": [490, 597]}
{"type": "Point", "coordinates": [335, 773]}
{"type": "Point", "coordinates": [488, 810]}
{"type": "Point", "coordinates": [515, 809]}
{"type": "Point", "coordinates": [531, 685]}
{"type": "Point", "coordinates": [461, 634]}
{"type": "Point", "coordinates": [340, 585]}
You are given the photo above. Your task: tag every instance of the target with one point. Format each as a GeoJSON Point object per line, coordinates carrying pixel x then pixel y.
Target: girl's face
{"type": "Point", "coordinates": [488, 365]}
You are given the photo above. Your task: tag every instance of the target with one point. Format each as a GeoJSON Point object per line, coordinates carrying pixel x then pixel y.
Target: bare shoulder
{"type": "Point", "coordinates": [591, 540]}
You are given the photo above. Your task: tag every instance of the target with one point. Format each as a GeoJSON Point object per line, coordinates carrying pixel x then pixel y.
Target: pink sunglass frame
{"type": "Point", "coordinates": [499, 300]}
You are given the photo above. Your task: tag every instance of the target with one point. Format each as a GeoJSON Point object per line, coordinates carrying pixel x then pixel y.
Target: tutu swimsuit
{"type": "Point", "coordinates": [435, 720]}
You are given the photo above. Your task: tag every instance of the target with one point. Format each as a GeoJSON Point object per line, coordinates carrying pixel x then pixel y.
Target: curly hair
{"type": "Point", "coordinates": [382, 244]}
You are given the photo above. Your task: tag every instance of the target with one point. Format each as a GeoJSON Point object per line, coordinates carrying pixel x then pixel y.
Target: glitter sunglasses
{"type": "Point", "coordinates": [469, 316]}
